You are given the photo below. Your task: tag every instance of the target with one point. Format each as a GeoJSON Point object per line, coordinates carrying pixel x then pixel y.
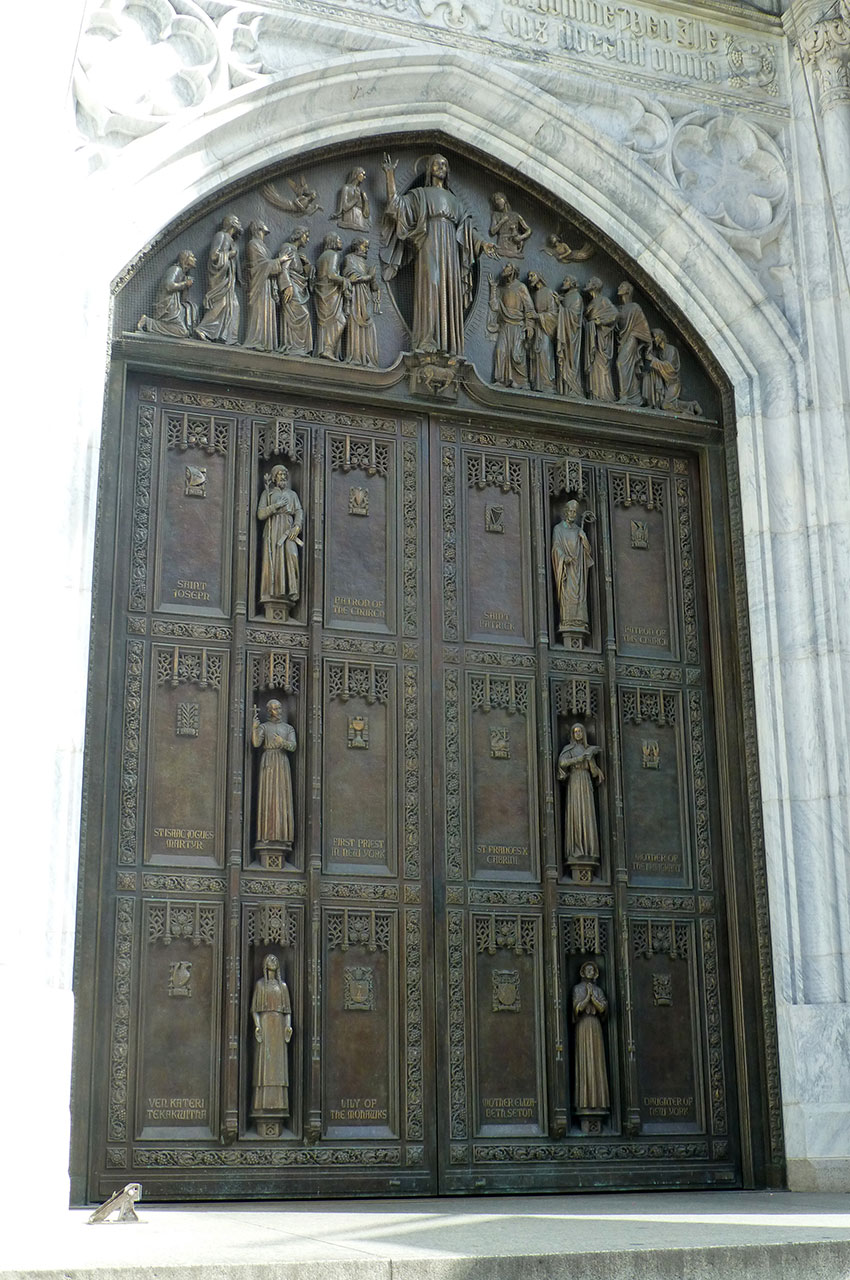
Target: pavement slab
{"type": "Point", "coordinates": [648, 1236]}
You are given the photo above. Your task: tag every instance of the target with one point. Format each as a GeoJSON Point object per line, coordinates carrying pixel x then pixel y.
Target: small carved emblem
{"type": "Point", "coordinates": [506, 991]}
{"type": "Point", "coordinates": [640, 535]}
{"type": "Point", "coordinates": [358, 732]}
{"type": "Point", "coordinates": [662, 989]}
{"type": "Point", "coordinates": [358, 501]}
{"type": "Point", "coordinates": [179, 978]}
{"type": "Point", "coordinates": [651, 753]}
{"type": "Point", "coordinates": [494, 519]}
{"type": "Point", "coordinates": [188, 719]}
{"type": "Point", "coordinates": [500, 744]}
{"type": "Point", "coordinates": [196, 482]}
{"type": "Point", "coordinates": [359, 988]}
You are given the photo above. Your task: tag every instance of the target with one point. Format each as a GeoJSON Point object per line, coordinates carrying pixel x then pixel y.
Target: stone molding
{"type": "Point", "coordinates": [823, 44]}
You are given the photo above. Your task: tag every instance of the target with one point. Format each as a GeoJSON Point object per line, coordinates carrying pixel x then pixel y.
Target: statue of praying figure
{"type": "Point", "coordinates": [275, 810]}
{"type": "Point", "coordinates": [271, 1013]}
{"type": "Point", "coordinates": [589, 1009]}
{"type": "Point", "coordinates": [352, 203]}
{"type": "Point", "coordinates": [174, 316]}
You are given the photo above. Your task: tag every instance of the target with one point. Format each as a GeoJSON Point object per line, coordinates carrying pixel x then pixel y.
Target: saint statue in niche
{"type": "Point", "coordinates": [220, 322]}
{"type": "Point", "coordinates": [590, 1008]}
{"type": "Point", "coordinates": [271, 1013]}
{"type": "Point", "coordinates": [429, 225]}
{"type": "Point", "coordinates": [578, 768]}
{"type": "Point", "coordinates": [174, 316]}
{"type": "Point", "coordinates": [275, 810]}
{"type": "Point", "coordinates": [282, 516]}
{"type": "Point", "coordinates": [352, 203]}
{"type": "Point", "coordinates": [571, 561]}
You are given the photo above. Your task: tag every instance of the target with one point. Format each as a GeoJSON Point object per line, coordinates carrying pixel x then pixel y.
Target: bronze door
{"type": "Point", "coordinates": [583, 1002]}
{"type": "Point", "coordinates": [347, 896]}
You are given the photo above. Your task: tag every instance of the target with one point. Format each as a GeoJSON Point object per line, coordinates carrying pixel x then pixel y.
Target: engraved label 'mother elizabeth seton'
{"type": "Point", "coordinates": [184, 810]}
{"type": "Point", "coordinates": [192, 563]}
{"type": "Point", "coordinates": [360, 1006]}
{"type": "Point", "coordinates": [645, 591]}
{"type": "Point", "coordinates": [177, 1092]}
{"type": "Point", "coordinates": [497, 571]}
{"type": "Point", "coordinates": [507, 1018]}
{"type": "Point", "coordinates": [358, 822]}
{"type": "Point", "coordinates": [503, 792]}
{"type": "Point", "coordinates": [360, 590]}
{"type": "Point", "coordinates": [656, 832]}
{"type": "Point", "coordinates": [670, 1092]}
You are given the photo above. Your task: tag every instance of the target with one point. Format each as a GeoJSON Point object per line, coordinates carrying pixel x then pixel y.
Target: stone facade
{"type": "Point", "coordinates": [711, 143]}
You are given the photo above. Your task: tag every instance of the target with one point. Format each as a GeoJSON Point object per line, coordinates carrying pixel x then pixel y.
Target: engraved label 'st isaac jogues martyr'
{"type": "Point", "coordinates": [429, 224]}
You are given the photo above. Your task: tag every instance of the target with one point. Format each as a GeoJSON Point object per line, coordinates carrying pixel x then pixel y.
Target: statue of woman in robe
{"type": "Point", "coordinates": [590, 1008]}
{"type": "Point", "coordinates": [271, 1013]}
{"type": "Point", "coordinates": [571, 560]}
{"type": "Point", "coordinates": [578, 768]}
{"type": "Point", "coordinates": [429, 225]}
{"type": "Point", "coordinates": [275, 810]}
{"type": "Point", "coordinates": [282, 516]}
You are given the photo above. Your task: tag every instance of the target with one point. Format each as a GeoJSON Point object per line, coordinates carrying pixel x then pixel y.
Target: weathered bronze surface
{"type": "Point", "coordinates": [408, 858]}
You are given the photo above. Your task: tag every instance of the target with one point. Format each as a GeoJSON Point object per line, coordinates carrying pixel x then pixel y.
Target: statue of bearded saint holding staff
{"type": "Point", "coordinates": [429, 225]}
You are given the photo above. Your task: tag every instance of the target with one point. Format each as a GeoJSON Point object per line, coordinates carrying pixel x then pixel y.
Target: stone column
{"type": "Point", "coordinates": [821, 34]}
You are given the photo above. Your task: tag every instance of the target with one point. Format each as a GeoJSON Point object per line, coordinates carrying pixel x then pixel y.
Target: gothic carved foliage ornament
{"type": "Point", "coordinates": [143, 66]}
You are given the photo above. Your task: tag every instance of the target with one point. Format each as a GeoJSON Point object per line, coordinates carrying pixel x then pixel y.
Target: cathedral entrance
{"type": "Point", "coordinates": [412, 776]}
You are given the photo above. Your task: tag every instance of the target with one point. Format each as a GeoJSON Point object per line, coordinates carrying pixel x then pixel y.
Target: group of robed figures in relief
{"type": "Point", "coordinates": [570, 341]}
